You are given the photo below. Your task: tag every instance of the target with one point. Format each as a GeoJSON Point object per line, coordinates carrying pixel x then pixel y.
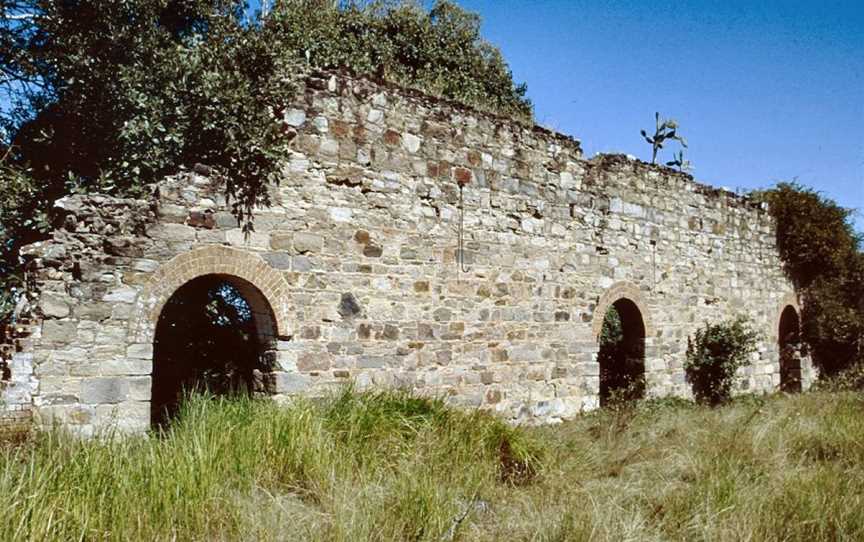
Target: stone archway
{"type": "Point", "coordinates": [789, 347]}
{"type": "Point", "coordinates": [212, 260]}
{"type": "Point", "coordinates": [260, 289]}
{"type": "Point", "coordinates": [215, 334]}
{"type": "Point", "coordinates": [621, 326]}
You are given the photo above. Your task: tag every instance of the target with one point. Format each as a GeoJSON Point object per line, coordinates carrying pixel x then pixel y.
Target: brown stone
{"type": "Point", "coordinates": [362, 237]}
{"type": "Point", "coordinates": [462, 176]}
{"type": "Point", "coordinates": [392, 138]}
{"type": "Point", "coordinates": [198, 219]}
{"type": "Point", "coordinates": [313, 361]}
{"type": "Point", "coordinates": [340, 129]}
{"type": "Point", "coordinates": [493, 397]}
{"type": "Point", "coordinates": [310, 332]}
{"type": "Point", "coordinates": [281, 241]}
{"type": "Point", "coordinates": [372, 251]}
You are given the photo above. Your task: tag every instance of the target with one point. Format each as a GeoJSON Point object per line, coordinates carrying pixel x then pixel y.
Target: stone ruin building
{"type": "Point", "coordinates": [355, 272]}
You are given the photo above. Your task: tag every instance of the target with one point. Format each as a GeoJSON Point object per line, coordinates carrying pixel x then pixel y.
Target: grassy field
{"type": "Point", "coordinates": [390, 466]}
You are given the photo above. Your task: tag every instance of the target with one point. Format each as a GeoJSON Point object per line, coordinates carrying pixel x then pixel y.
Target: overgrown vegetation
{"type": "Point", "coordinates": [395, 467]}
{"type": "Point", "coordinates": [110, 95]}
{"type": "Point", "coordinates": [822, 256]}
{"type": "Point", "coordinates": [439, 51]}
{"type": "Point", "coordinates": [714, 354]}
{"type": "Point", "coordinates": [385, 466]}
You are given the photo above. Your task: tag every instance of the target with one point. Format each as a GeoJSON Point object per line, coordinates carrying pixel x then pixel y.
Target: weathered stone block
{"type": "Point", "coordinates": [288, 383]}
{"type": "Point", "coordinates": [95, 391]}
{"type": "Point", "coordinates": [59, 331]}
{"type": "Point", "coordinates": [54, 306]}
{"type": "Point", "coordinates": [307, 242]}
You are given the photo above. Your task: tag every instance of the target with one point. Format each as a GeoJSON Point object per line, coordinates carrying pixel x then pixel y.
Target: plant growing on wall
{"type": "Point", "coordinates": [680, 162]}
{"type": "Point", "coordinates": [665, 130]}
{"type": "Point", "coordinates": [714, 354]}
{"type": "Point", "coordinates": [822, 256]}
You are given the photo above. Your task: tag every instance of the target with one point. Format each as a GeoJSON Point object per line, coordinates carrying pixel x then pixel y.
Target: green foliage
{"type": "Point", "coordinates": [680, 162]}
{"type": "Point", "coordinates": [814, 234]}
{"type": "Point", "coordinates": [439, 51]}
{"type": "Point", "coordinates": [714, 354]}
{"type": "Point", "coordinates": [848, 379]}
{"type": "Point", "coordinates": [665, 129]}
{"type": "Point", "coordinates": [822, 256]}
{"type": "Point", "coordinates": [612, 332]}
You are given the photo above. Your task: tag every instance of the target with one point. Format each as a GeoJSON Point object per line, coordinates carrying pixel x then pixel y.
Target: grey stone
{"type": "Point", "coordinates": [95, 391]}
{"type": "Point", "coordinates": [278, 260]}
{"type": "Point", "coordinates": [55, 331]}
{"type": "Point", "coordinates": [54, 306]}
{"type": "Point", "coordinates": [348, 306]}
{"type": "Point", "coordinates": [307, 242]}
{"type": "Point", "coordinates": [294, 117]}
{"type": "Point", "coordinates": [288, 383]}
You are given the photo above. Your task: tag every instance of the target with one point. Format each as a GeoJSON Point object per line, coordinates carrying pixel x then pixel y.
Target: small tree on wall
{"type": "Point", "coordinates": [714, 355]}
{"type": "Point", "coordinates": [665, 130]}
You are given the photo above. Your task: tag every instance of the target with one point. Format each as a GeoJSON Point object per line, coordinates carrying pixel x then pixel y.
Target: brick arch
{"type": "Point", "coordinates": [621, 290]}
{"type": "Point", "coordinates": [788, 300]}
{"type": "Point", "coordinates": [211, 260]}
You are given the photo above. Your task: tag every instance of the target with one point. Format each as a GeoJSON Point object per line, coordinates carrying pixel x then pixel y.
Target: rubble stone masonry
{"type": "Point", "coordinates": [353, 270]}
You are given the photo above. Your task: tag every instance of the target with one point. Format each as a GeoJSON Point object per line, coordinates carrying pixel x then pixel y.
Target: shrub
{"type": "Point", "coordinates": [714, 354]}
{"type": "Point", "coordinates": [821, 253]}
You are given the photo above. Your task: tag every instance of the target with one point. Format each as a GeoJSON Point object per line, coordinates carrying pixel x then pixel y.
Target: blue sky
{"type": "Point", "coordinates": [763, 91]}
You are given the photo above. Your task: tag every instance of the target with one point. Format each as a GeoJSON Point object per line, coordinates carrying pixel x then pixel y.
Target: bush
{"type": "Point", "coordinates": [850, 379]}
{"type": "Point", "coordinates": [714, 354]}
{"type": "Point", "coordinates": [821, 253]}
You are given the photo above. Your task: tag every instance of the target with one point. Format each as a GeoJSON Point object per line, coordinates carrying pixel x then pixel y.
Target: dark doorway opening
{"type": "Point", "coordinates": [213, 336]}
{"type": "Point", "coordinates": [789, 338]}
{"type": "Point", "coordinates": [622, 353]}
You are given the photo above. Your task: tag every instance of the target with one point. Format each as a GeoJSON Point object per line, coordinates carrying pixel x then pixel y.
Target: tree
{"type": "Point", "coordinates": [821, 255]}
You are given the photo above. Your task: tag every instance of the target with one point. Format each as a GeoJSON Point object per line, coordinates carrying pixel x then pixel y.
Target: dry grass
{"type": "Point", "coordinates": [390, 466]}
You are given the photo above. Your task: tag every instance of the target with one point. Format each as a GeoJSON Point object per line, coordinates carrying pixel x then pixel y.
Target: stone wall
{"type": "Point", "coordinates": [355, 265]}
{"type": "Point", "coordinates": [17, 382]}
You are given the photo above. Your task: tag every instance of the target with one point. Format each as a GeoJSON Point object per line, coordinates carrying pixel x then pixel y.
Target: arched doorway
{"type": "Point", "coordinates": [214, 334]}
{"type": "Point", "coordinates": [622, 353]}
{"type": "Point", "coordinates": [789, 344]}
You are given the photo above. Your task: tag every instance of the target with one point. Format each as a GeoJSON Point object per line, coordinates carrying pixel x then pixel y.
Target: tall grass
{"type": "Point", "coordinates": [356, 466]}
{"type": "Point", "coordinates": [391, 466]}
